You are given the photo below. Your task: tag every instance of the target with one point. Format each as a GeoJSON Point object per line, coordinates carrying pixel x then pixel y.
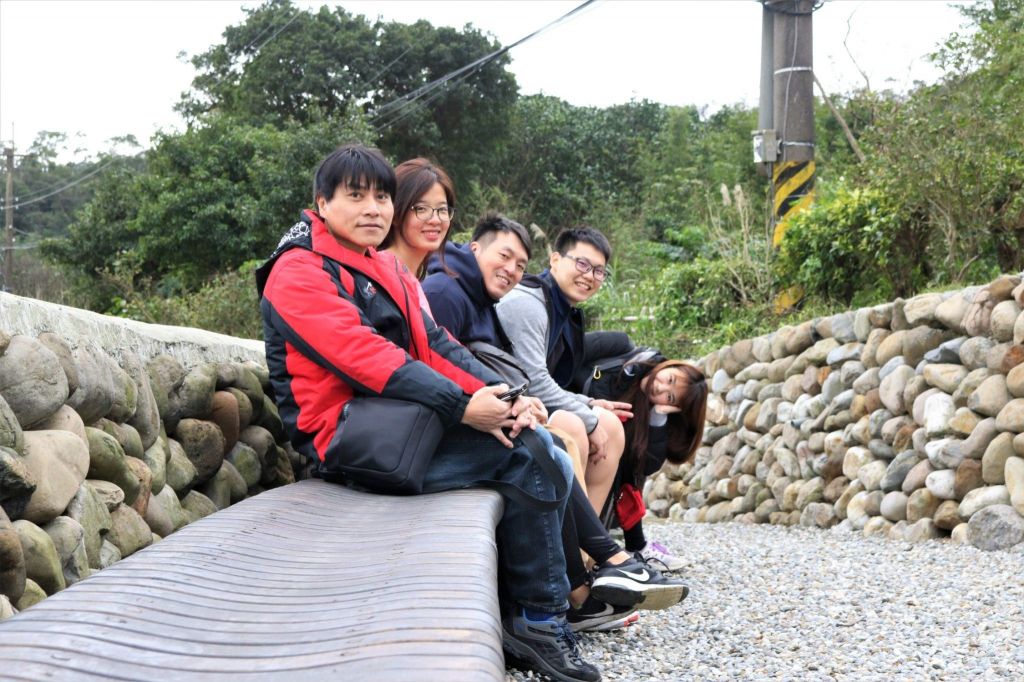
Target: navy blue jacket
{"type": "Point", "coordinates": [461, 304]}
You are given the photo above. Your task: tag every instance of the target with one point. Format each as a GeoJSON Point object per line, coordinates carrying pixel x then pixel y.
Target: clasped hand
{"type": "Point", "coordinates": [486, 413]}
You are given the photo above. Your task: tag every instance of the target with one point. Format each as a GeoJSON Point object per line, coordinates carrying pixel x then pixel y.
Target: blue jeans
{"type": "Point", "coordinates": [529, 542]}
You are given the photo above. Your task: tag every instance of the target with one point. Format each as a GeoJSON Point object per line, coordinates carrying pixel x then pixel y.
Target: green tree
{"type": "Point", "coordinates": [692, 156]}
{"type": "Point", "coordinates": [48, 191]}
{"type": "Point", "coordinates": [566, 164]}
{"type": "Point", "coordinates": [952, 151]}
{"type": "Point", "coordinates": [209, 200]}
{"type": "Point", "coordinates": [285, 65]}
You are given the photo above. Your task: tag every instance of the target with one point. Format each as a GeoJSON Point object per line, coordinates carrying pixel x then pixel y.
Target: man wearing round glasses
{"type": "Point", "coordinates": [544, 324]}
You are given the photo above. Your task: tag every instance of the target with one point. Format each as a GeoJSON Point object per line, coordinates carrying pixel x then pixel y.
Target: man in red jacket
{"type": "Point", "coordinates": [341, 319]}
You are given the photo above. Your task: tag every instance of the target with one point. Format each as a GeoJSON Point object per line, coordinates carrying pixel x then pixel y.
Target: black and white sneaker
{"type": "Point", "coordinates": [547, 646]}
{"type": "Point", "coordinates": [636, 584]}
{"type": "Point", "coordinates": [597, 616]}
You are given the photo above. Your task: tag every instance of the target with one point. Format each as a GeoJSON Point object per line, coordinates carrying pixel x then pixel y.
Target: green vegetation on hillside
{"type": "Point", "coordinates": [171, 235]}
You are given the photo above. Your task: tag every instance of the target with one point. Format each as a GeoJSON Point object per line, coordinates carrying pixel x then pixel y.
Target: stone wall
{"type": "Point", "coordinates": [114, 434]}
{"type": "Point", "coordinates": [904, 420]}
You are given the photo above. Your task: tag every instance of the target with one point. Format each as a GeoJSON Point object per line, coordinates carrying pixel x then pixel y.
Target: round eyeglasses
{"type": "Point", "coordinates": [583, 266]}
{"type": "Point", "coordinates": [425, 213]}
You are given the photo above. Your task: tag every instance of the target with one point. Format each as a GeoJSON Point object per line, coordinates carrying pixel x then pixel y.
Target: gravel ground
{"type": "Point", "coordinates": [778, 603]}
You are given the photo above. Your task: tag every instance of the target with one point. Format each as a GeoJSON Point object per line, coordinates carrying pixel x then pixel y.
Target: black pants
{"type": "Point", "coordinates": [634, 537]}
{"type": "Point", "coordinates": [583, 529]}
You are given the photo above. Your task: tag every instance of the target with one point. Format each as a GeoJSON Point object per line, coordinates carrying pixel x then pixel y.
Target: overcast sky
{"type": "Point", "coordinates": [105, 69]}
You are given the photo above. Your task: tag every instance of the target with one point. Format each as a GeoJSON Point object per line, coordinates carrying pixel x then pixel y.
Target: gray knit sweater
{"type": "Point", "coordinates": [524, 317]}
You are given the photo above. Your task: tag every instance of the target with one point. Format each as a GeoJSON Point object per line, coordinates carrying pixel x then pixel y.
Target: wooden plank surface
{"type": "Point", "coordinates": [308, 581]}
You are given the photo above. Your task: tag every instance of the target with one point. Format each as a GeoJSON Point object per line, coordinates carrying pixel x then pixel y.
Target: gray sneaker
{"type": "Point", "coordinates": [548, 646]}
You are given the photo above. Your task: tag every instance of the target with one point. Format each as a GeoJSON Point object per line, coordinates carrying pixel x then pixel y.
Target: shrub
{"type": "Point", "coordinates": [854, 243]}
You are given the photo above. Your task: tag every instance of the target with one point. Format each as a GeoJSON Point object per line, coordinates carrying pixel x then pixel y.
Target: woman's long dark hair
{"type": "Point", "coordinates": [415, 178]}
{"type": "Point", "coordinates": [685, 428]}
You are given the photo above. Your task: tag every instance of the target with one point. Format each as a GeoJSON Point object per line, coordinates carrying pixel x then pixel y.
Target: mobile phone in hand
{"type": "Point", "coordinates": [513, 393]}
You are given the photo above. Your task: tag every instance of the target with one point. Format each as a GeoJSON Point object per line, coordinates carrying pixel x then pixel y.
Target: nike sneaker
{"type": "Point", "coordinates": [597, 616]}
{"type": "Point", "coordinates": [636, 584]}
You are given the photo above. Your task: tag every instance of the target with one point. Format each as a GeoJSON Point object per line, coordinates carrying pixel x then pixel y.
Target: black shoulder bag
{"type": "Point", "coordinates": [386, 445]}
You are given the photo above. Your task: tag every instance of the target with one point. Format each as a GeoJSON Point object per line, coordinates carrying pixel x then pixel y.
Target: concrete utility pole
{"type": "Point", "coordinates": [9, 218]}
{"type": "Point", "coordinates": [765, 146]}
{"type": "Point", "coordinates": [793, 110]}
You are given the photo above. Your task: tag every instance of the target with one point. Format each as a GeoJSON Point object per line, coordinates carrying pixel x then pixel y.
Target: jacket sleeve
{"type": "Point", "coordinates": [303, 304]}
{"type": "Point", "coordinates": [657, 449]}
{"type": "Point", "coordinates": [451, 358]}
{"type": "Point", "coordinates": [444, 304]}
{"type": "Point", "coordinates": [525, 321]}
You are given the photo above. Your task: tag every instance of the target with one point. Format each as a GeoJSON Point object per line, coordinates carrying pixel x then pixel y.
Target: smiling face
{"type": "Point", "coordinates": [423, 237]}
{"type": "Point", "coordinates": [665, 387]}
{"type": "Point", "coordinates": [576, 286]}
{"type": "Point", "coordinates": [357, 217]}
{"type": "Point", "coordinates": [502, 261]}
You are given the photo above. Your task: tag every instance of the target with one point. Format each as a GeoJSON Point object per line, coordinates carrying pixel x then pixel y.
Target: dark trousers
{"type": "Point", "coordinates": [530, 552]}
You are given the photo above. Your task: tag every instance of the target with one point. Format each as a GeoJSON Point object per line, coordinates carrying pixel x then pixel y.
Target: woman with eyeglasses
{"type": "Point", "coordinates": [424, 208]}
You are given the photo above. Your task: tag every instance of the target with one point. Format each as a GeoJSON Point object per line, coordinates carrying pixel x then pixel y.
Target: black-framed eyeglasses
{"type": "Point", "coordinates": [425, 213]}
{"type": "Point", "coordinates": [583, 266]}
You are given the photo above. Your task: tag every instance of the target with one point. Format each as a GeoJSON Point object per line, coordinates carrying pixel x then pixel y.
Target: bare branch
{"type": "Point", "coordinates": [867, 81]}
{"type": "Point", "coordinates": [842, 121]}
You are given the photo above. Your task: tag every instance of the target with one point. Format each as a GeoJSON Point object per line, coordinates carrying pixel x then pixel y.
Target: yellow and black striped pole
{"type": "Point", "coordinates": [792, 193]}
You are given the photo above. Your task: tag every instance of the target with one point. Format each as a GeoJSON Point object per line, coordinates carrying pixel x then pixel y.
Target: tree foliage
{"type": "Point", "coordinates": [953, 152]}
{"type": "Point", "coordinates": [209, 200]}
{"type": "Point", "coordinates": [288, 66]}
{"type": "Point", "coordinates": [691, 156]}
{"type": "Point", "coordinates": [561, 160]}
{"type": "Point", "coordinates": [48, 192]}
{"type": "Point", "coordinates": [939, 199]}
{"type": "Point", "coordinates": [855, 242]}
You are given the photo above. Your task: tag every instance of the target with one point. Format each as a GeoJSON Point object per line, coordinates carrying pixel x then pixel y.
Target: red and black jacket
{"type": "Point", "coordinates": [337, 324]}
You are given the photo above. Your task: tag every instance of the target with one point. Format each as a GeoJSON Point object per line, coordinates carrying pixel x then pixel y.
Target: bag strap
{"type": "Point", "coordinates": [500, 361]}
{"type": "Point", "coordinates": [598, 369]}
{"type": "Point", "coordinates": [544, 460]}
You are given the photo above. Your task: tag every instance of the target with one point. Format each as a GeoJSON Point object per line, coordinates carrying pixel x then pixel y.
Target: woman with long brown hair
{"type": "Point", "coordinates": [669, 399]}
{"type": "Point", "coordinates": [424, 209]}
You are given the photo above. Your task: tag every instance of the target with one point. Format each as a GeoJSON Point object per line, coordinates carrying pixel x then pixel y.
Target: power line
{"type": "Point", "coordinates": [20, 247]}
{"type": "Point", "coordinates": [467, 70]}
{"type": "Point", "coordinates": [412, 107]}
{"type": "Point", "coordinates": [775, 6]}
{"type": "Point", "coordinates": [275, 33]}
{"type": "Point", "coordinates": [258, 36]}
{"type": "Point", "coordinates": [394, 61]}
{"type": "Point", "coordinates": [19, 204]}
{"type": "Point", "coordinates": [34, 193]}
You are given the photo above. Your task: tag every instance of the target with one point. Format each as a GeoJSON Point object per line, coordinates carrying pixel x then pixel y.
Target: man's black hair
{"type": "Point", "coordinates": [571, 236]}
{"type": "Point", "coordinates": [353, 165]}
{"type": "Point", "coordinates": [492, 223]}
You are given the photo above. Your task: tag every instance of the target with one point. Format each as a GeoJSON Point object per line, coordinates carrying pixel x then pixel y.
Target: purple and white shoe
{"type": "Point", "coordinates": [658, 555]}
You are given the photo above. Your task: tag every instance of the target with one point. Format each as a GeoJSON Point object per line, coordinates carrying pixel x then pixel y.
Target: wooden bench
{"type": "Point", "coordinates": [308, 581]}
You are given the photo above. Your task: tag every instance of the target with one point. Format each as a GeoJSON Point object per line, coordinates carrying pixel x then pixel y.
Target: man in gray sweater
{"type": "Point", "coordinates": [544, 324]}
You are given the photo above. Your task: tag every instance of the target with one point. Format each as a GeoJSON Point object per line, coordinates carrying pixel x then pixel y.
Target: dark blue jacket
{"type": "Point", "coordinates": [461, 304]}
